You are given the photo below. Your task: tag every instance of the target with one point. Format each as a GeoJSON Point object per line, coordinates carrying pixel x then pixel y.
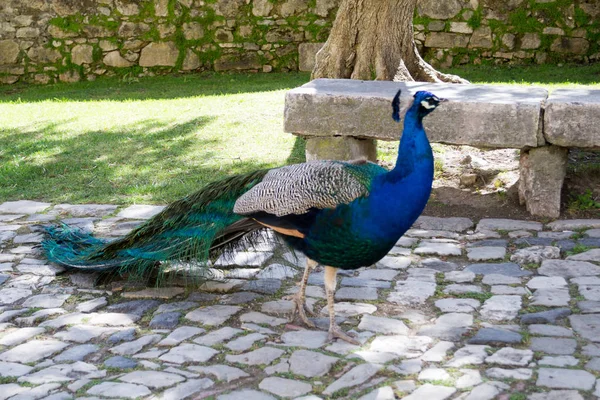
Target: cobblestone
{"type": "Point", "coordinates": [511, 357]}
{"type": "Point", "coordinates": [543, 317]}
{"type": "Point", "coordinates": [221, 372]}
{"type": "Point", "coordinates": [458, 305]}
{"type": "Point", "coordinates": [558, 378]}
{"type": "Point", "coordinates": [468, 355]}
{"type": "Point", "coordinates": [554, 345]}
{"type": "Point", "coordinates": [386, 326]}
{"type": "Point", "coordinates": [508, 269]}
{"type": "Point", "coordinates": [501, 307]}
{"type": "Point", "coordinates": [188, 352]}
{"type": "Point", "coordinates": [494, 336]}
{"type": "Point", "coordinates": [119, 390]}
{"type": "Point", "coordinates": [559, 361]}
{"type": "Point", "coordinates": [284, 387]}
{"type": "Point", "coordinates": [354, 377]}
{"type": "Point", "coordinates": [486, 253]}
{"type": "Point", "coordinates": [440, 249]}
{"type": "Point", "coordinates": [431, 392]}
{"type": "Point", "coordinates": [79, 337]}
{"type": "Point", "coordinates": [262, 356]}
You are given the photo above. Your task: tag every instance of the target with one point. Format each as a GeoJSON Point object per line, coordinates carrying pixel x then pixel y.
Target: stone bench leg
{"type": "Point", "coordinates": [340, 148]}
{"type": "Point", "coordinates": [542, 172]}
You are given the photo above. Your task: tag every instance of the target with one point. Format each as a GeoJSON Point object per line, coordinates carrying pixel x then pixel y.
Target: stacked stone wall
{"type": "Point", "coordinates": [46, 41]}
{"type": "Point", "coordinates": [452, 32]}
{"type": "Point", "coordinates": [68, 40]}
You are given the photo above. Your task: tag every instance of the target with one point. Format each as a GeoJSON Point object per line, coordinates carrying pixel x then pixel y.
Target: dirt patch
{"type": "Point", "coordinates": [484, 184]}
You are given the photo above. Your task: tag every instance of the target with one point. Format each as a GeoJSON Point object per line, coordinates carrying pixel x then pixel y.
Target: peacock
{"type": "Point", "coordinates": [339, 214]}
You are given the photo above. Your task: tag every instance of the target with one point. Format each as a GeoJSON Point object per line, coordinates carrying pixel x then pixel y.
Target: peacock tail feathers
{"type": "Point", "coordinates": [188, 232]}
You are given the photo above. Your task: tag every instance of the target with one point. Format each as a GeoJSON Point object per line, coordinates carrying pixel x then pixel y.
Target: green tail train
{"type": "Point", "coordinates": [193, 229]}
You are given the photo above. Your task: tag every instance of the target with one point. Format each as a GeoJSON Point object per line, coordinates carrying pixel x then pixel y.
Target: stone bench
{"type": "Point", "coordinates": [342, 119]}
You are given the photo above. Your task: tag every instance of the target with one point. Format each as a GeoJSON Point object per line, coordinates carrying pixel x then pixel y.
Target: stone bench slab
{"type": "Point", "coordinates": [476, 115]}
{"type": "Point", "coordinates": [572, 118]}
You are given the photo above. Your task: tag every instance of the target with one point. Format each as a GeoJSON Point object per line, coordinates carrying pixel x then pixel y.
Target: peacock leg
{"type": "Point", "coordinates": [334, 330]}
{"type": "Point", "coordinates": [299, 298]}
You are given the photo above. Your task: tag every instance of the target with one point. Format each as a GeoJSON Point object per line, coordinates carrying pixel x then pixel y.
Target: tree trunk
{"type": "Point", "coordinates": [373, 39]}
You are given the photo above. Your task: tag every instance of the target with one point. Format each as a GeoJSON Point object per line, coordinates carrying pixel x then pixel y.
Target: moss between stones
{"type": "Point", "coordinates": [522, 22]}
{"type": "Point", "coordinates": [475, 20]}
{"type": "Point", "coordinates": [146, 10]}
{"type": "Point", "coordinates": [103, 20]}
{"type": "Point", "coordinates": [581, 18]}
{"type": "Point", "coordinates": [71, 23]}
{"type": "Point", "coordinates": [180, 42]}
{"type": "Point", "coordinates": [209, 56]}
{"type": "Point", "coordinates": [135, 70]}
{"type": "Point", "coordinates": [421, 20]}
{"type": "Point", "coordinates": [554, 11]}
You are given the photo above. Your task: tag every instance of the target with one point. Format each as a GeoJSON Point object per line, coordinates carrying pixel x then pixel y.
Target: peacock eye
{"type": "Point", "coordinates": [430, 102]}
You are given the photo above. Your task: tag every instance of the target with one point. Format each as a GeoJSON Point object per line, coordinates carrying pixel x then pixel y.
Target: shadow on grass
{"type": "Point", "coordinates": [297, 155]}
{"type": "Point", "coordinates": [159, 87]}
{"type": "Point", "coordinates": [149, 161]}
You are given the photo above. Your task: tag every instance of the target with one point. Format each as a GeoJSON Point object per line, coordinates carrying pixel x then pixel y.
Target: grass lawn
{"type": "Point", "coordinates": [150, 141]}
{"type": "Point", "coordinates": [548, 76]}
{"type": "Point", "coordinates": [157, 139]}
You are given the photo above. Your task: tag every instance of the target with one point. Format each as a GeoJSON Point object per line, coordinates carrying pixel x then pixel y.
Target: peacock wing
{"type": "Point", "coordinates": [295, 189]}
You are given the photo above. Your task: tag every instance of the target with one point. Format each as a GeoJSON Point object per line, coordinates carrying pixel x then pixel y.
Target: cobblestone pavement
{"type": "Point", "coordinates": [459, 309]}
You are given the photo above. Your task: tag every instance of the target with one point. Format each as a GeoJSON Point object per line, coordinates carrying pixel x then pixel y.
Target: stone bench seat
{"type": "Point", "coordinates": [572, 118]}
{"type": "Point", "coordinates": [342, 119]}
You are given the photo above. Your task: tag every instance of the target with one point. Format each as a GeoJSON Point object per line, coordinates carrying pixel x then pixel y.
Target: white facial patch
{"type": "Point", "coordinates": [426, 105]}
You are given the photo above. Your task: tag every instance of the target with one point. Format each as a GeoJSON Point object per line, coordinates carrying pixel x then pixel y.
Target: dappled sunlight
{"type": "Point", "coordinates": [123, 150]}
{"type": "Point", "coordinates": [138, 152]}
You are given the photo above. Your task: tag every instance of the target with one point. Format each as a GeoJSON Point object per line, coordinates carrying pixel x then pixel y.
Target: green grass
{"type": "Point", "coordinates": [150, 141]}
{"type": "Point", "coordinates": [585, 201]}
{"type": "Point", "coordinates": [474, 295]}
{"type": "Point", "coordinates": [547, 75]}
{"type": "Point", "coordinates": [577, 249]}
{"type": "Point", "coordinates": [518, 396]}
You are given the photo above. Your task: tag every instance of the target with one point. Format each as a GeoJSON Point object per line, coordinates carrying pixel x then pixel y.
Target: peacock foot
{"type": "Point", "coordinates": [301, 309]}
{"type": "Point", "coordinates": [336, 332]}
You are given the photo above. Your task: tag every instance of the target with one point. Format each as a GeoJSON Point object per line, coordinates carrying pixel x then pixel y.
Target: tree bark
{"type": "Point", "coordinates": [373, 39]}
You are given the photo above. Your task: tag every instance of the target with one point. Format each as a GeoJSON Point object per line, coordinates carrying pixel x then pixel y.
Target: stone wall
{"type": "Point", "coordinates": [68, 40]}
{"type": "Point", "coordinates": [452, 32]}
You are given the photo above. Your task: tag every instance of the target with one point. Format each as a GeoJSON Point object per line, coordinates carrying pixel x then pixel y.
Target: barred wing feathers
{"type": "Point", "coordinates": [298, 188]}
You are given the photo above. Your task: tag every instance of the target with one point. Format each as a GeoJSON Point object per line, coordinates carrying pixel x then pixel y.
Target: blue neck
{"type": "Point", "coordinates": [398, 197]}
{"type": "Point", "coordinates": [414, 150]}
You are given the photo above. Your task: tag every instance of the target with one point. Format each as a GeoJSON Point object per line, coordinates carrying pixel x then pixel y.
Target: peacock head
{"type": "Point", "coordinates": [424, 103]}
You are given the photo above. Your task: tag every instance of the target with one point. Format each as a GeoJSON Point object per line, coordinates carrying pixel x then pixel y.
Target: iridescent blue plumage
{"type": "Point", "coordinates": [340, 214]}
